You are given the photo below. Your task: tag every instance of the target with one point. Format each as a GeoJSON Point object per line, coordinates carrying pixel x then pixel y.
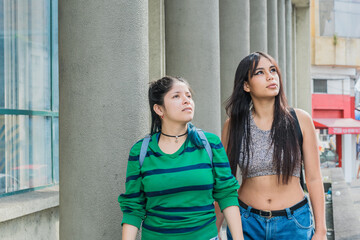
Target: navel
{"type": "Point", "coordinates": [269, 201]}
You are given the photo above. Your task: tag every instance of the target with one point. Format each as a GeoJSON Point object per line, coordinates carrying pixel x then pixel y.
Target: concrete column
{"type": "Point", "coordinates": [294, 63]}
{"type": "Point", "coordinates": [282, 41]}
{"type": "Point", "coordinates": [103, 56]}
{"type": "Point", "coordinates": [349, 156]}
{"type": "Point", "coordinates": [258, 26]}
{"type": "Point", "coordinates": [234, 43]}
{"type": "Point", "coordinates": [302, 58]}
{"type": "Point", "coordinates": [272, 28]}
{"type": "Point", "coordinates": [193, 52]}
{"type": "Point", "coordinates": [288, 34]}
{"type": "Point", "coordinates": [156, 39]}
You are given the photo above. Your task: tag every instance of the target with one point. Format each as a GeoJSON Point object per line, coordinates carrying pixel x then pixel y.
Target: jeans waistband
{"type": "Point", "coordinates": [275, 213]}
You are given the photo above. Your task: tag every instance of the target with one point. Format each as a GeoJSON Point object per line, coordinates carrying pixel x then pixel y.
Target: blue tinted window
{"type": "Point", "coordinates": [28, 95]}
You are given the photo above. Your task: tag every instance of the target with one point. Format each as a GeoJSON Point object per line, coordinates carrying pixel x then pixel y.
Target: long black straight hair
{"type": "Point", "coordinates": [283, 134]}
{"type": "Point", "coordinates": [157, 92]}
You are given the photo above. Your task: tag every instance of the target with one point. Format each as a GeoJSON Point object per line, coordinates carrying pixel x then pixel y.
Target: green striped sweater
{"type": "Point", "coordinates": [172, 195]}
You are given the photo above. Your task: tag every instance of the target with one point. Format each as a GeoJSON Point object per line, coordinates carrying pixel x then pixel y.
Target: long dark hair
{"type": "Point", "coordinates": [157, 92]}
{"type": "Point", "coordinates": [283, 134]}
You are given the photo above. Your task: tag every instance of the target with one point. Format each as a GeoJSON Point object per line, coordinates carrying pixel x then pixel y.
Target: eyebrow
{"type": "Point", "coordinates": [264, 68]}
{"type": "Point", "coordinates": [180, 91]}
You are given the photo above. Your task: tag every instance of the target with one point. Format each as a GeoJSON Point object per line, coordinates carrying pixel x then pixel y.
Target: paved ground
{"type": "Point", "coordinates": [345, 203]}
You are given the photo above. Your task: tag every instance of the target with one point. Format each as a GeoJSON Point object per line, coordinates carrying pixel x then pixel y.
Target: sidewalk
{"type": "Point", "coordinates": [346, 204]}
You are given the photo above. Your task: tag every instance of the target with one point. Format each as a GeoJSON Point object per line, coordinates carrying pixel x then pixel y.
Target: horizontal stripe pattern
{"type": "Point", "coordinates": [185, 209]}
{"type": "Point", "coordinates": [175, 193]}
{"type": "Point", "coordinates": [222, 165]}
{"type": "Point", "coordinates": [177, 230]}
{"type": "Point", "coordinates": [178, 190]}
{"type": "Point", "coordinates": [179, 169]}
{"type": "Point", "coordinates": [169, 217]}
{"type": "Point", "coordinates": [133, 177]}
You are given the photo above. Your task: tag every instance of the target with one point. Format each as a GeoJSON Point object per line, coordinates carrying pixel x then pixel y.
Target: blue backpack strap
{"type": "Point", "coordinates": [143, 151]}
{"type": "Point", "coordinates": [206, 144]}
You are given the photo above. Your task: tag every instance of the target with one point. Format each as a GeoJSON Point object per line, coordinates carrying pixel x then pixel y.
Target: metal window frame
{"type": "Point", "coordinates": [43, 113]}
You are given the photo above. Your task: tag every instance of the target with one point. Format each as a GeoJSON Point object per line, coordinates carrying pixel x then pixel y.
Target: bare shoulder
{"type": "Point", "coordinates": [305, 119]}
{"type": "Point", "coordinates": [226, 124]}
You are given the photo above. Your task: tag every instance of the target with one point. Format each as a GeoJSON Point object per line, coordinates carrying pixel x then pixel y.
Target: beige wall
{"type": "Point", "coordinates": [326, 50]}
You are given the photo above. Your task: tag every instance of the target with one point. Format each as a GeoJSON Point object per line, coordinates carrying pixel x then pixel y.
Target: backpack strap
{"type": "Point", "coordinates": [206, 144]}
{"type": "Point", "coordinates": [143, 150]}
{"type": "Point", "coordinates": [300, 140]}
{"type": "Point", "coordinates": [297, 128]}
{"type": "Point", "coordinates": [145, 144]}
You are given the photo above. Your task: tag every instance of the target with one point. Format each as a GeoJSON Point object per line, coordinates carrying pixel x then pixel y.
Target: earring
{"type": "Point", "coordinates": [162, 116]}
{"type": "Point", "coordinates": [251, 105]}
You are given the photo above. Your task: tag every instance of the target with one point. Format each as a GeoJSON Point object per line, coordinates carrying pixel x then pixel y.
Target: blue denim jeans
{"type": "Point", "coordinates": [296, 225]}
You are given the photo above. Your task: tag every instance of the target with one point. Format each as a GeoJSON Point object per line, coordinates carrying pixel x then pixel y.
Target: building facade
{"type": "Point", "coordinates": [109, 52]}
{"type": "Point", "coordinates": [335, 42]}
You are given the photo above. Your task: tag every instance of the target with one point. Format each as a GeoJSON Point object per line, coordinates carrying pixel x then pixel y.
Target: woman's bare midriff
{"type": "Point", "coordinates": [266, 193]}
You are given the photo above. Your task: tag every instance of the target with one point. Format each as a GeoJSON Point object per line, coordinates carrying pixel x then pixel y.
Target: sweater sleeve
{"type": "Point", "coordinates": [132, 202]}
{"type": "Point", "coordinates": [225, 184]}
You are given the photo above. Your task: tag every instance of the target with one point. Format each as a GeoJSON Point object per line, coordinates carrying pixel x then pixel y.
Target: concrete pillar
{"type": "Point", "coordinates": [272, 28]}
{"type": "Point", "coordinates": [289, 56]}
{"type": "Point", "coordinates": [103, 59]}
{"type": "Point", "coordinates": [302, 58]}
{"type": "Point", "coordinates": [349, 156]}
{"type": "Point", "coordinates": [156, 39]}
{"type": "Point", "coordinates": [294, 63]}
{"type": "Point", "coordinates": [193, 52]}
{"type": "Point", "coordinates": [282, 41]}
{"type": "Point", "coordinates": [258, 26]}
{"type": "Point", "coordinates": [234, 43]}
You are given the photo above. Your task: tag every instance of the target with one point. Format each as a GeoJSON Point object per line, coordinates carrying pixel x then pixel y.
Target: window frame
{"type": "Point", "coordinates": [54, 109]}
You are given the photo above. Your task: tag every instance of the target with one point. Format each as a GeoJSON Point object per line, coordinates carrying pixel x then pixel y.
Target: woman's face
{"type": "Point", "coordinates": [178, 104]}
{"type": "Point", "coordinates": [265, 81]}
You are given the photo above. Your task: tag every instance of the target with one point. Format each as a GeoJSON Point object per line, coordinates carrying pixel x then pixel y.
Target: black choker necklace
{"type": "Point", "coordinates": [176, 140]}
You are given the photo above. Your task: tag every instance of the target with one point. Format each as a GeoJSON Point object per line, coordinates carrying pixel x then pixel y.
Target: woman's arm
{"type": "Point", "coordinates": [232, 213]}
{"type": "Point", "coordinates": [313, 176]}
{"type": "Point", "coordinates": [224, 139]}
{"type": "Point", "coordinates": [132, 201]}
{"type": "Point", "coordinates": [219, 218]}
{"type": "Point", "coordinates": [129, 232]}
{"type": "Point", "coordinates": [233, 220]}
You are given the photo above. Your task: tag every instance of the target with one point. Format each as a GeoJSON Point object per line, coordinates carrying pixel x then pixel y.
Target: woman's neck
{"type": "Point", "coordinates": [173, 129]}
{"type": "Point", "coordinates": [264, 109]}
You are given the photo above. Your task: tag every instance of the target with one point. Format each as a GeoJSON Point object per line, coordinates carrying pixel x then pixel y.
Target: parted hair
{"type": "Point", "coordinates": [283, 133]}
{"type": "Point", "coordinates": [157, 92]}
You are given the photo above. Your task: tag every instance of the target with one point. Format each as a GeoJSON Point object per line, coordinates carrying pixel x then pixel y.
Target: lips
{"type": "Point", "coordinates": [274, 85]}
{"type": "Point", "coordinates": [187, 109]}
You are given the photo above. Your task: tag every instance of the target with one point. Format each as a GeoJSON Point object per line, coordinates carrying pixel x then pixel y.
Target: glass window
{"type": "Point", "coordinates": [320, 85]}
{"type": "Point", "coordinates": [28, 95]}
{"type": "Point", "coordinates": [339, 17]}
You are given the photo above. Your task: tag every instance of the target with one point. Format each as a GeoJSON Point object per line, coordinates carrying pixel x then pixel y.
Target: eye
{"type": "Point", "coordinates": [273, 70]}
{"type": "Point", "coordinates": [259, 72]}
{"type": "Point", "coordinates": [189, 96]}
{"type": "Point", "coordinates": [176, 96]}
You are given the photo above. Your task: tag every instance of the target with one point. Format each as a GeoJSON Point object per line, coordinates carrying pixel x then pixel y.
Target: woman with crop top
{"type": "Point", "coordinates": [260, 137]}
{"type": "Point", "coordinates": [171, 193]}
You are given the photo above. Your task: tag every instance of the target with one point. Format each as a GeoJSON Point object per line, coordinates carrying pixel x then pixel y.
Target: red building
{"type": "Point", "coordinates": [333, 109]}
{"type": "Point", "coordinates": [336, 113]}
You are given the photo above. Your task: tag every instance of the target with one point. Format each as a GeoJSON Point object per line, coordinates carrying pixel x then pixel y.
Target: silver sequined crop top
{"type": "Point", "coordinates": [261, 154]}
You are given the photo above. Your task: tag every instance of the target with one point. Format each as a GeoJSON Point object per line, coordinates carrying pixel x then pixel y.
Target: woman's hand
{"type": "Point", "coordinates": [319, 235]}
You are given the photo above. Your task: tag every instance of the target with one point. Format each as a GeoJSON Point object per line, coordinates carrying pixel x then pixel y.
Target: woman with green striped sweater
{"type": "Point", "coordinates": [172, 193]}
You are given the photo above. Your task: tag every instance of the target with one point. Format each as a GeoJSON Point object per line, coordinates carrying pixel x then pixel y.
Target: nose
{"type": "Point", "coordinates": [269, 76]}
{"type": "Point", "coordinates": [186, 100]}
